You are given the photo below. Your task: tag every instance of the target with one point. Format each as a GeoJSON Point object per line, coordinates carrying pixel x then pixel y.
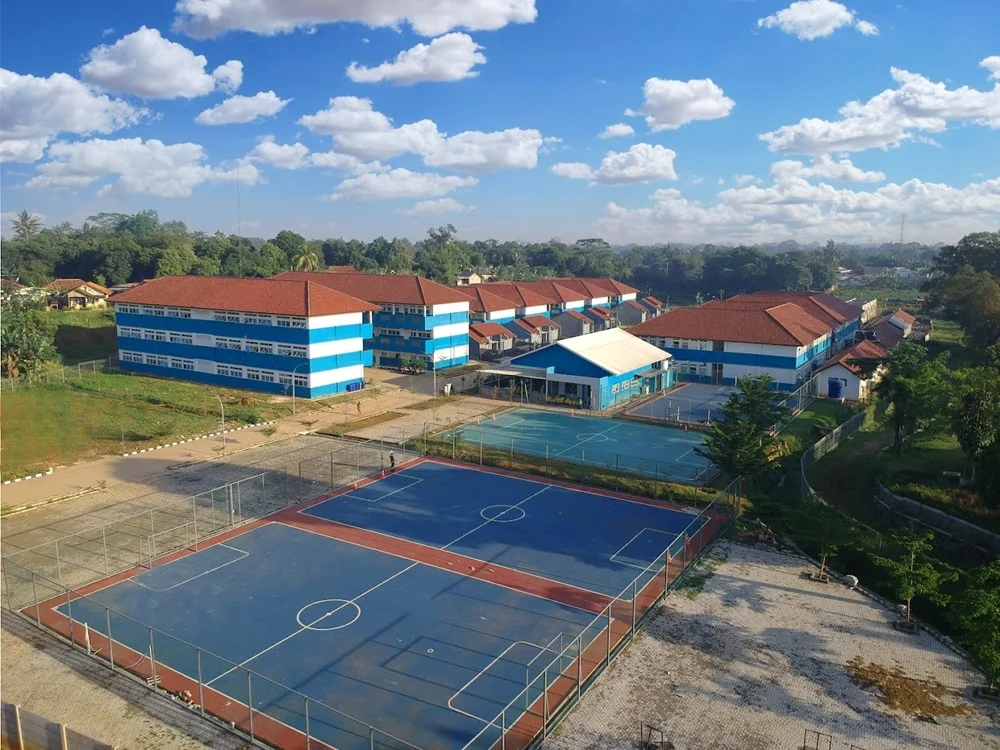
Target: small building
{"type": "Point", "coordinates": [632, 313]}
{"type": "Point", "coordinates": [573, 323]}
{"type": "Point", "coordinates": [470, 278]}
{"type": "Point", "coordinates": [419, 319]}
{"type": "Point", "coordinates": [869, 308]}
{"type": "Point", "coordinates": [891, 328]}
{"type": "Point", "coordinates": [526, 301]}
{"type": "Point", "coordinates": [558, 298]}
{"type": "Point", "coordinates": [611, 291]}
{"type": "Point", "coordinates": [654, 306]}
{"type": "Point", "coordinates": [486, 307]}
{"type": "Point", "coordinates": [290, 337]}
{"type": "Point", "coordinates": [603, 317]}
{"type": "Point", "coordinates": [489, 340]}
{"type": "Point", "coordinates": [842, 375]}
{"type": "Point", "coordinates": [76, 294]}
{"type": "Point", "coordinates": [535, 330]}
{"type": "Point", "coordinates": [596, 371]}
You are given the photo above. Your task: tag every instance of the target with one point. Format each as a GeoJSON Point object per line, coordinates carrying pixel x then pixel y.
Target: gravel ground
{"type": "Point", "coordinates": [758, 658]}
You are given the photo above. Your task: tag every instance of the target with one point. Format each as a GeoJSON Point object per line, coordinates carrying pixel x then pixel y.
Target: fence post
{"type": "Point", "coordinates": [579, 665]}
{"type": "Point", "coordinates": [503, 730]}
{"type": "Point", "coordinates": [617, 455]}
{"type": "Point", "coordinates": [34, 591]}
{"type": "Point", "coordinates": [69, 614]}
{"type": "Point", "coordinates": [610, 620]}
{"type": "Point", "coordinates": [111, 640]}
{"type": "Point", "coordinates": [308, 738]}
{"type": "Point", "coordinates": [666, 573]}
{"type": "Point", "coordinates": [480, 449]}
{"type": "Point", "coordinates": [634, 594]}
{"type": "Point", "coordinates": [512, 454]}
{"type": "Point", "coordinates": [331, 477]}
{"type": "Point", "coordinates": [152, 661]}
{"type": "Point", "coordinates": [250, 701]}
{"type": "Point", "coordinates": [545, 702]}
{"type": "Point", "coordinates": [201, 684]}
{"type": "Point", "coordinates": [104, 541]}
{"type": "Point", "coordinates": [371, 738]}
{"type": "Point", "coordinates": [453, 445]}
{"type": "Point", "coordinates": [17, 727]}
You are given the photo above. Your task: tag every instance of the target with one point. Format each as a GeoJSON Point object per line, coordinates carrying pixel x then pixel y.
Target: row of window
{"type": "Point", "coordinates": [401, 355]}
{"type": "Point", "coordinates": [222, 316]}
{"type": "Point", "coordinates": [399, 332]}
{"type": "Point", "coordinates": [221, 342]}
{"type": "Point", "coordinates": [405, 310]}
{"type": "Point", "coordinates": [250, 373]}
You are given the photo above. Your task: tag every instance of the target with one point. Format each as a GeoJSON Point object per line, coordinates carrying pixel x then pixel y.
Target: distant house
{"type": "Point", "coordinates": [470, 277]}
{"type": "Point", "coordinates": [654, 306]}
{"type": "Point", "coordinates": [489, 340]}
{"type": "Point", "coordinates": [573, 323]}
{"type": "Point", "coordinates": [486, 307]}
{"type": "Point", "coordinates": [869, 308]}
{"type": "Point", "coordinates": [891, 328]}
{"type": "Point", "coordinates": [535, 330]}
{"type": "Point", "coordinates": [122, 287]}
{"type": "Point", "coordinates": [841, 376]}
{"type": "Point", "coordinates": [632, 313]}
{"type": "Point", "coordinates": [76, 294]}
{"type": "Point", "coordinates": [341, 269]}
{"type": "Point", "coordinates": [603, 317]}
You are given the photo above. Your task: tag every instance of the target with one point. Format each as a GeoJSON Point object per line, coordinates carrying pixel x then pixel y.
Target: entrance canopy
{"type": "Point", "coordinates": [533, 373]}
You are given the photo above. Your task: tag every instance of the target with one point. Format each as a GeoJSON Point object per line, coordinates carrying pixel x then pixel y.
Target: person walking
{"type": "Point", "coordinates": [392, 461]}
{"type": "Point", "coordinates": [359, 408]}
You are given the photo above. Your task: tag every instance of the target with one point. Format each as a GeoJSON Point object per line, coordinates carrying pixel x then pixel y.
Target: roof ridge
{"type": "Point", "coordinates": [783, 326]}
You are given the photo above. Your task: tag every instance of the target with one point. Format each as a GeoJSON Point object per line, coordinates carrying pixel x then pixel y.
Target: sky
{"type": "Point", "coordinates": [633, 120]}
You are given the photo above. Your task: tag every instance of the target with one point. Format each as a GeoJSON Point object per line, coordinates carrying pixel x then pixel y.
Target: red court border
{"type": "Point", "coordinates": [624, 614]}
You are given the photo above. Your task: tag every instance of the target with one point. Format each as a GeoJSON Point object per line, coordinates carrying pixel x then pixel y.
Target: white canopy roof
{"type": "Point", "coordinates": [614, 350]}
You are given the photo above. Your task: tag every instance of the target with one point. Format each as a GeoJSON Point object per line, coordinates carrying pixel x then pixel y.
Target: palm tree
{"type": "Point", "coordinates": [26, 224]}
{"type": "Point", "coordinates": [308, 259]}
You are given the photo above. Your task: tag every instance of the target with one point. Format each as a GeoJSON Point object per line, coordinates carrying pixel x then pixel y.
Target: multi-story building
{"type": "Point", "coordinates": [278, 336]}
{"type": "Point", "coordinates": [418, 320]}
{"type": "Point", "coordinates": [526, 302]}
{"type": "Point", "coordinates": [486, 307]}
{"type": "Point", "coordinates": [720, 342]}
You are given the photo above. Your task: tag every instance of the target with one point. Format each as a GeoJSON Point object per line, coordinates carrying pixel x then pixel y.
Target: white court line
{"type": "Point", "coordinates": [489, 521]}
{"type": "Point", "coordinates": [244, 553]}
{"type": "Point", "coordinates": [633, 565]}
{"type": "Point", "coordinates": [484, 670]}
{"type": "Point", "coordinates": [595, 435]}
{"type": "Point", "coordinates": [380, 497]}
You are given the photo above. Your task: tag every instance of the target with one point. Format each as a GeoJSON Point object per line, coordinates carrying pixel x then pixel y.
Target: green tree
{"type": "Point", "coordinates": [829, 531]}
{"type": "Point", "coordinates": [913, 573]}
{"type": "Point", "coordinates": [177, 260]}
{"type": "Point", "coordinates": [27, 339]}
{"type": "Point", "coordinates": [975, 416]}
{"type": "Point", "coordinates": [757, 402]}
{"type": "Point", "coordinates": [309, 259]}
{"type": "Point", "coordinates": [978, 615]}
{"type": "Point", "coordinates": [26, 224]}
{"type": "Point", "coordinates": [914, 386]}
{"type": "Point", "coordinates": [292, 244]}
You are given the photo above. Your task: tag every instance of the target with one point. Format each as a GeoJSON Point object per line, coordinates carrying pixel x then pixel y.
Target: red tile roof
{"type": "Point", "coordinates": [612, 286]}
{"type": "Point", "coordinates": [553, 290]}
{"type": "Point", "coordinates": [601, 312]}
{"type": "Point", "coordinates": [886, 332]}
{"type": "Point", "coordinates": [905, 317]}
{"type": "Point", "coordinates": [780, 325]}
{"type": "Point", "coordinates": [521, 296]}
{"type": "Point", "coordinates": [535, 323]}
{"type": "Point", "coordinates": [269, 296]}
{"type": "Point", "coordinates": [653, 301]}
{"type": "Point", "coordinates": [848, 357]}
{"type": "Point", "coordinates": [341, 269]}
{"type": "Point", "coordinates": [637, 305]}
{"type": "Point", "coordinates": [63, 286]}
{"type": "Point", "coordinates": [383, 288]}
{"type": "Point", "coordinates": [818, 304]}
{"type": "Point", "coordinates": [484, 301]}
{"type": "Point", "coordinates": [578, 315]}
{"type": "Point", "coordinates": [587, 287]}
{"type": "Point", "coordinates": [483, 331]}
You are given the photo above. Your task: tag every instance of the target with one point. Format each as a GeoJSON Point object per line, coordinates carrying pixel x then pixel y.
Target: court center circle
{"type": "Point", "coordinates": [328, 614]}
{"type": "Point", "coordinates": [497, 513]}
{"type": "Point", "coordinates": [592, 437]}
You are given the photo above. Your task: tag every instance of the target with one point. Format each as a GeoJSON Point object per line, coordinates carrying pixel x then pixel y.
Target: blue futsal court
{"type": "Point", "coordinates": [691, 402]}
{"type": "Point", "coordinates": [647, 450]}
{"type": "Point", "coordinates": [427, 654]}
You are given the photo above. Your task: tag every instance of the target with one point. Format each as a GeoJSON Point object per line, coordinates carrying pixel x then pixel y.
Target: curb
{"type": "Point", "coordinates": [30, 476]}
{"type": "Point", "coordinates": [193, 439]}
{"type": "Point", "coordinates": [48, 501]}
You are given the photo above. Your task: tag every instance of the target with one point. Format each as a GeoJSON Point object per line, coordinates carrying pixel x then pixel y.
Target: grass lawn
{"type": "Point", "coordinates": [814, 422]}
{"type": "Point", "coordinates": [887, 297]}
{"type": "Point", "coordinates": [947, 336]}
{"type": "Point", "coordinates": [85, 417]}
{"type": "Point", "coordinates": [360, 424]}
{"type": "Point", "coordinates": [83, 335]}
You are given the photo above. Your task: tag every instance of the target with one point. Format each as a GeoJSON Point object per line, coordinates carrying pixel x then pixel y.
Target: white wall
{"type": "Point", "coordinates": [627, 297]}
{"type": "Point", "coordinates": [770, 350]}
{"type": "Point", "coordinates": [779, 375]}
{"type": "Point", "coordinates": [600, 300]}
{"type": "Point", "coordinates": [341, 374]}
{"type": "Point", "coordinates": [451, 352]}
{"type": "Point", "coordinates": [574, 305]}
{"type": "Point", "coordinates": [498, 314]}
{"type": "Point", "coordinates": [330, 321]}
{"type": "Point", "coordinates": [451, 307]}
{"type": "Point", "coordinates": [329, 348]}
{"type": "Point", "coordinates": [451, 329]}
{"type": "Point", "coordinates": [536, 310]}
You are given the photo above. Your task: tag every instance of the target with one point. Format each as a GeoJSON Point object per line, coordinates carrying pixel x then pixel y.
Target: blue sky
{"type": "Point", "coordinates": [496, 110]}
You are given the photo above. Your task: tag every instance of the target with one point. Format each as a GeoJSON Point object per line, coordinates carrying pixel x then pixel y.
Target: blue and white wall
{"type": "Point", "coordinates": [322, 355]}
{"type": "Point", "coordinates": [496, 316]}
{"type": "Point", "coordinates": [787, 365]}
{"type": "Point", "coordinates": [527, 312]}
{"type": "Point", "coordinates": [438, 336]}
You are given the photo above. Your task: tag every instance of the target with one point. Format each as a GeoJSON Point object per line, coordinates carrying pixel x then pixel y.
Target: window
{"type": "Point", "coordinates": [291, 350]}
{"type": "Point", "coordinates": [223, 316]}
{"type": "Point", "coordinates": [181, 338]}
{"type": "Point", "coordinates": [261, 347]}
{"type": "Point", "coordinates": [151, 335]}
{"type": "Point", "coordinates": [148, 310]}
{"type": "Point", "coordinates": [420, 334]}
{"type": "Point", "coordinates": [156, 360]}
{"type": "Point", "coordinates": [259, 320]}
{"type": "Point", "coordinates": [222, 342]}
{"type": "Point", "coordinates": [130, 357]}
{"type": "Point", "coordinates": [301, 381]}
{"type": "Point", "coordinates": [390, 332]}
{"type": "Point", "coordinates": [675, 344]}
{"type": "Point", "coordinates": [267, 376]}
{"type": "Point", "coordinates": [182, 364]}
{"type": "Point", "coordinates": [178, 312]}
{"type": "Point", "coordinates": [253, 374]}
{"type": "Point", "coordinates": [130, 333]}
{"type": "Point", "coordinates": [130, 309]}
{"type": "Point", "coordinates": [286, 322]}
{"type": "Point", "coordinates": [228, 371]}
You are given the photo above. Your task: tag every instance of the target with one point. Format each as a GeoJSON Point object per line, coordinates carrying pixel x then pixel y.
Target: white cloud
{"type": "Point", "coordinates": [437, 206]}
{"type": "Point", "coordinates": [399, 183]}
{"type": "Point", "coordinates": [812, 19]}
{"type": "Point", "coordinates": [823, 167]}
{"type": "Point", "coordinates": [992, 64]}
{"type": "Point", "coordinates": [283, 156]}
{"type": "Point", "coordinates": [240, 109]}
{"type": "Point", "coordinates": [669, 105]}
{"type": "Point", "coordinates": [890, 118]}
{"type": "Point", "coordinates": [618, 130]}
{"type": "Point", "coordinates": [151, 167]}
{"type": "Point", "coordinates": [209, 18]}
{"type": "Point", "coordinates": [359, 130]}
{"type": "Point", "coordinates": [451, 57]}
{"type": "Point", "coordinates": [797, 208]}
{"type": "Point", "coordinates": [145, 64]}
{"type": "Point", "coordinates": [743, 179]}
{"type": "Point", "coordinates": [641, 163]}
{"type": "Point", "coordinates": [35, 110]}
{"type": "Point", "coordinates": [697, 180]}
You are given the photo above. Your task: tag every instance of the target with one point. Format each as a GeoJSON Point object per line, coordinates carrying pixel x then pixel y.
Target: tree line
{"type": "Point", "coordinates": [112, 248]}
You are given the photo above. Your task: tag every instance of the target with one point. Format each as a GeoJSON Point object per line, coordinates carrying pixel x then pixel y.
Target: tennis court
{"type": "Point", "coordinates": [439, 607]}
{"type": "Point", "coordinates": [691, 402]}
{"type": "Point", "coordinates": [642, 449]}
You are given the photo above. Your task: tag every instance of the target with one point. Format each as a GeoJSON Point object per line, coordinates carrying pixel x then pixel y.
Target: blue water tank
{"type": "Point", "coordinates": [836, 388]}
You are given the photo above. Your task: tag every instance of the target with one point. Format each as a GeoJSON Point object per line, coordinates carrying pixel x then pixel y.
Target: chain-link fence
{"type": "Point", "coordinates": [60, 375]}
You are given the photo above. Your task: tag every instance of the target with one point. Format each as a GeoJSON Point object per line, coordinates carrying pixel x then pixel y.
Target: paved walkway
{"type": "Point", "coordinates": [459, 409]}
{"type": "Point", "coordinates": [112, 470]}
